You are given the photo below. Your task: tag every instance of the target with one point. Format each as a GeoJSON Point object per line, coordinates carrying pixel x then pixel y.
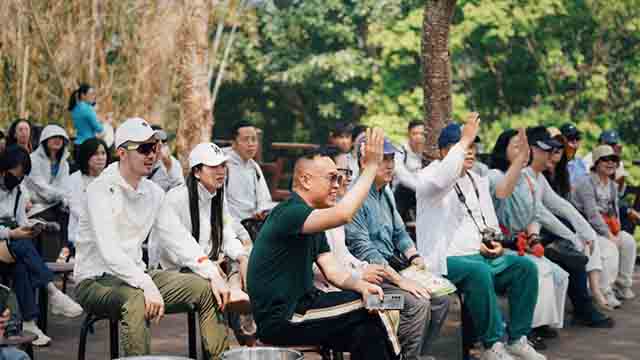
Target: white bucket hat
{"type": "Point", "coordinates": [53, 130]}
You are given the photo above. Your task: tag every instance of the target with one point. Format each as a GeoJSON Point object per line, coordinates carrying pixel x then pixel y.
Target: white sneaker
{"type": "Point", "coordinates": [496, 352]}
{"type": "Point", "coordinates": [522, 350]}
{"type": "Point", "coordinates": [623, 293]}
{"type": "Point", "coordinates": [42, 340]}
{"type": "Point", "coordinates": [612, 300]}
{"type": "Point", "coordinates": [61, 304]}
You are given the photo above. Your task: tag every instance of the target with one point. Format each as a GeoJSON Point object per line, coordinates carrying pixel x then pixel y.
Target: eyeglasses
{"type": "Point", "coordinates": [145, 148]}
{"type": "Point", "coordinates": [346, 172]}
{"type": "Point", "coordinates": [557, 150]}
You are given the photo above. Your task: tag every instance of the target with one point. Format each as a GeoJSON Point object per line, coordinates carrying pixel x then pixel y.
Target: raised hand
{"type": "Point", "coordinates": [470, 129]}
{"type": "Point", "coordinates": [523, 150]}
{"type": "Point", "coordinates": [372, 149]}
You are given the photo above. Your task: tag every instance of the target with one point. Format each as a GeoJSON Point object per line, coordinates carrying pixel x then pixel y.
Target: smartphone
{"type": "Point", "coordinates": [388, 302]}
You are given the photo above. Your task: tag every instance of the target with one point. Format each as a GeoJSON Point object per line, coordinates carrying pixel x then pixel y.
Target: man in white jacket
{"type": "Point", "coordinates": [454, 209]}
{"type": "Point", "coordinates": [122, 207]}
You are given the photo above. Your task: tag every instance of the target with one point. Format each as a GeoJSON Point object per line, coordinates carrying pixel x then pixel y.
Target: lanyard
{"type": "Point", "coordinates": [463, 200]}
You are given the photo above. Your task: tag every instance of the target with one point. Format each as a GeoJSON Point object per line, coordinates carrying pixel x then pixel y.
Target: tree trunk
{"type": "Point", "coordinates": [195, 104]}
{"type": "Point", "coordinates": [437, 70]}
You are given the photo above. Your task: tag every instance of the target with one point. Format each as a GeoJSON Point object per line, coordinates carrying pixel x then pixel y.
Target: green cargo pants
{"type": "Point", "coordinates": [480, 278]}
{"type": "Point", "coordinates": [109, 295]}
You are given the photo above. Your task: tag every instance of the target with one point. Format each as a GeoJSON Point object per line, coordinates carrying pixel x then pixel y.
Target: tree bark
{"type": "Point", "coordinates": [195, 104]}
{"type": "Point", "coordinates": [436, 66]}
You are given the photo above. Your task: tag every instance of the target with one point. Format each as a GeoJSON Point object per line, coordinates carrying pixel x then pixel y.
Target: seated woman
{"type": "Point", "coordinates": [93, 157]}
{"type": "Point", "coordinates": [517, 215]}
{"type": "Point", "coordinates": [596, 196]}
{"type": "Point", "coordinates": [30, 271]}
{"type": "Point", "coordinates": [201, 208]}
{"type": "Point", "coordinates": [47, 187]}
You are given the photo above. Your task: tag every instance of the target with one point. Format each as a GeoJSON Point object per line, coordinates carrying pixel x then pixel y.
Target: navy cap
{"type": "Point", "coordinates": [570, 131]}
{"type": "Point", "coordinates": [388, 147]}
{"type": "Point", "coordinates": [609, 137]}
{"type": "Point", "coordinates": [451, 134]}
{"type": "Point", "coordinates": [539, 136]}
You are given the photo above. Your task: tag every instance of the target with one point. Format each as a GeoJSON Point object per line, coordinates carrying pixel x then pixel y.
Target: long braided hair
{"type": "Point", "coordinates": [217, 221]}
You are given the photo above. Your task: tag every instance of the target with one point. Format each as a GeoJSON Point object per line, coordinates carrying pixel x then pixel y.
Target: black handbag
{"type": "Point", "coordinates": [564, 253]}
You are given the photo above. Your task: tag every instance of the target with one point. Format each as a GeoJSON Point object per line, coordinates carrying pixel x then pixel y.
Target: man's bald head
{"type": "Point", "coordinates": [316, 179]}
{"type": "Point", "coordinates": [312, 163]}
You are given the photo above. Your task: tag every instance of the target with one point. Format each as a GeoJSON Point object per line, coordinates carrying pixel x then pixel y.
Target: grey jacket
{"type": "Point", "coordinates": [588, 203]}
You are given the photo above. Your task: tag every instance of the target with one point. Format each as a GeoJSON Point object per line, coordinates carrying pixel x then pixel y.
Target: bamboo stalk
{"type": "Point", "coordinates": [225, 56]}
{"type": "Point", "coordinates": [25, 76]}
{"type": "Point", "coordinates": [52, 59]}
{"type": "Point", "coordinates": [92, 52]}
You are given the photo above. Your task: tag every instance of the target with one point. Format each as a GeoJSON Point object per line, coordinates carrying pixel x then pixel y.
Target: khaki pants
{"type": "Point", "coordinates": [109, 295]}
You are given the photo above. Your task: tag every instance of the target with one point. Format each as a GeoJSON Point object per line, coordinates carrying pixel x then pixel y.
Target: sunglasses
{"type": "Point", "coordinates": [610, 159]}
{"type": "Point", "coordinates": [333, 178]}
{"type": "Point", "coordinates": [145, 148]}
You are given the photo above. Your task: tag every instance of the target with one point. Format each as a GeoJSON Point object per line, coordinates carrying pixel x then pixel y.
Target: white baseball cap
{"type": "Point", "coordinates": [133, 129]}
{"type": "Point", "coordinates": [207, 154]}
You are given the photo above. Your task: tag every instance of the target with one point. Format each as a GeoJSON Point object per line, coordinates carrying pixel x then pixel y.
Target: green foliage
{"type": "Point", "coordinates": [517, 62]}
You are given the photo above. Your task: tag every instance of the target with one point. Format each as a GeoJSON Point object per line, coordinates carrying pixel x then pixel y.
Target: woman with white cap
{"type": "Point", "coordinates": [47, 185]}
{"type": "Point", "coordinates": [201, 207]}
{"type": "Point", "coordinates": [596, 196]}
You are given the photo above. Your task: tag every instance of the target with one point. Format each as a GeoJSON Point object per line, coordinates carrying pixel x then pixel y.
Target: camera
{"type": "Point", "coordinates": [489, 236]}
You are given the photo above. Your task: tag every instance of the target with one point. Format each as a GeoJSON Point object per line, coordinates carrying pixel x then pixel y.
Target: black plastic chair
{"type": "Point", "coordinates": [114, 337]}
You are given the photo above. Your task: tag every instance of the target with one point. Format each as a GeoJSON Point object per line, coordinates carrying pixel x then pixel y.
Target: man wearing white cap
{"type": "Point", "coordinates": [121, 209]}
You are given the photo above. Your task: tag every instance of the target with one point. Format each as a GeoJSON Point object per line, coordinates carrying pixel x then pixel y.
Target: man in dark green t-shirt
{"type": "Point", "coordinates": [287, 308]}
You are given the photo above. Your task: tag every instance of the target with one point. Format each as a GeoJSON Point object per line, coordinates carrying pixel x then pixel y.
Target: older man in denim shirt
{"type": "Point", "coordinates": [377, 232]}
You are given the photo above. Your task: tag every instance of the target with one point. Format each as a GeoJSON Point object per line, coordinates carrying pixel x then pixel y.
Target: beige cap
{"type": "Point", "coordinates": [603, 151]}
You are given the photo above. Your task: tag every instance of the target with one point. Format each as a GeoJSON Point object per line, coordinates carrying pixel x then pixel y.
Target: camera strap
{"type": "Point", "coordinates": [463, 200]}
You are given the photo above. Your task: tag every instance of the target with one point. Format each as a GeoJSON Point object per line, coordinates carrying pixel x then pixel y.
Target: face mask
{"type": "Point", "coordinates": [11, 181]}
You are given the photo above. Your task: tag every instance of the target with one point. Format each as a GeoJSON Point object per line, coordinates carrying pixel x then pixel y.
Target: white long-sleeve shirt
{"type": "Point", "coordinates": [45, 189]}
{"type": "Point", "coordinates": [553, 205]}
{"type": "Point", "coordinates": [114, 222]}
{"type": "Point", "coordinates": [443, 225]}
{"type": "Point", "coordinates": [336, 241]}
{"type": "Point", "coordinates": [247, 191]}
{"type": "Point", "coordinates": [167, 180]}
{"type": "Point", "coordinates": [407, 164]}
{"type": "Point", "coordinates": [77, 188]}
{"type": "Point", "coordinates": [177, 202]}
{"type": "Point", "coordinates": [7, 208]}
